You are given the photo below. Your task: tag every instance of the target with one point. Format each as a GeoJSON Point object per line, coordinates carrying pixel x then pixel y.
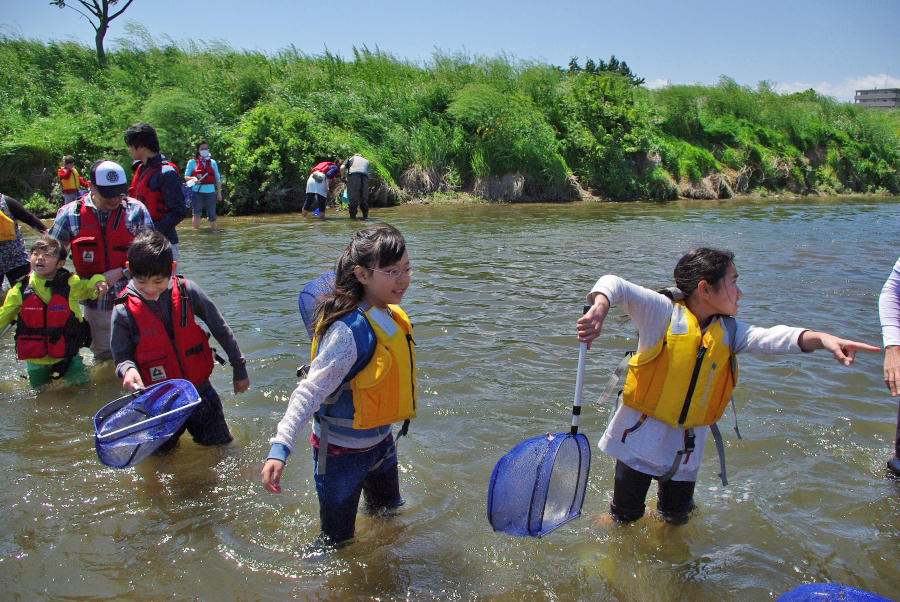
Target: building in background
{"type": "Point", "coordinates": [886, 98]}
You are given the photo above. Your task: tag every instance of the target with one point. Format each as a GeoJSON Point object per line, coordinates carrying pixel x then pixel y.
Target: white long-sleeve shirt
{"type": "Point", "coordinates": [889, 308]}
{"type": "Point", "coordinates": [652, 446]}
{"type": "Point", "coordinates": [334, 359]}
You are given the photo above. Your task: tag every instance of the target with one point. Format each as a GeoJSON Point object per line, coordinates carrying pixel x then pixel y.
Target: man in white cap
{"type": "Point", "coordinates": [100, 227]}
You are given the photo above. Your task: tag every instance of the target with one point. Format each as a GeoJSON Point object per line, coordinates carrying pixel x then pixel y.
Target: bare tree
{"type": "Point", "coordinates": [100, 9]}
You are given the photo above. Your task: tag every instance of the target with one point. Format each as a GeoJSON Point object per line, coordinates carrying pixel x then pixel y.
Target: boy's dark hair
{"type": "Point", "coordinates": [68, 159]}
{"type": "Point", "coordinates": [50, 245]}
{"type": "Point", "coordinates": [142, 134]}
{"type": "Point", "coordinates": [150, 254]}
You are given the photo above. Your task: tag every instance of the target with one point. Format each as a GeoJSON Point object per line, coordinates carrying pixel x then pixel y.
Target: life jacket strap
{"type": "Point", "coordinates": [322, 460]}
{"type": "Point", "coordinates": [688, 448]}
{"type": "Point", "coordinates": [720, 448]}
{"type": "Point", "coordinates": [611, 385]}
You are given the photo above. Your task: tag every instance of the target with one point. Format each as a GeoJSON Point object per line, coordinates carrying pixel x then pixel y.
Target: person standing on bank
{"type": "Point", "coordinates": [100, 227]}
{"type": "Point", "coordinates": [356, 171]}
{"type": "Point", "coordinates": [889, 312]}
{"type": "Point", "coordinates": [14, 262]}
{"type": "Point", "coordinates": [156, 183]}
{"type": "Point", "coordinates": [659, 431]}
{"type": "Point", "coordinates": [207, 185]}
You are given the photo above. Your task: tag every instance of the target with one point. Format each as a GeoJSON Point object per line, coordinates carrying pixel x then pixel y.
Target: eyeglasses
{"type": "Point", "coordinates": [395, 274]}
{"type": "Point", "coordinates": [45, 254]}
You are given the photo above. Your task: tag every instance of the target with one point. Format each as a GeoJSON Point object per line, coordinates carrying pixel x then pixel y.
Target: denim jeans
{"type": "Point", "coordinates": [372, 473]}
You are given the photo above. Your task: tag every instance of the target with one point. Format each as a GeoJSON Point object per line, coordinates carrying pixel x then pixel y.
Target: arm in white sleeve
{"type": "Point", "coordinates": [649, 310]}
{"type": "Point", "coordinates": [336, 356]}
{"type": "Point", "coordinates": [889, 308]}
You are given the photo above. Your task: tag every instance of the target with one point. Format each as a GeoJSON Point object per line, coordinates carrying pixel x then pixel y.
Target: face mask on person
{"type": "Point", "coordinates": [204, 154]}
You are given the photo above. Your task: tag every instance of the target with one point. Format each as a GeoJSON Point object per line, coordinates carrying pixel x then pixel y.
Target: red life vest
{"type": "Point", "coordinates": [50, 328]}
{"type": "Point", "coordinates": [140, 189]}
{"type": "Point", "coordinates": [94, 252]}
{"type": "Point", "coordinates": [204, 172]}
{"type": "Point", "coordinates": [321, 166]}
{"type": "Point", "coordinates": [159, 357]}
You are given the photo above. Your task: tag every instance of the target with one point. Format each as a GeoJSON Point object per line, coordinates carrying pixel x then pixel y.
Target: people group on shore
{"type": "Point", "coordinates": [361, 380]}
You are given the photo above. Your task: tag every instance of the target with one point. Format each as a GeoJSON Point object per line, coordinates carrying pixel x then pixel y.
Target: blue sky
{"type": "Point", "coordinates": [833, 46]}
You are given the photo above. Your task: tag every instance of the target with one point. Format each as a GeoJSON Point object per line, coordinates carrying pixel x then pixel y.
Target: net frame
{"type": "Point", "coordinates": [132, 427]}
{"type": "Point", "coordinates": [310, 297]}
{"type": "Point", "coordinates": [539, 485]}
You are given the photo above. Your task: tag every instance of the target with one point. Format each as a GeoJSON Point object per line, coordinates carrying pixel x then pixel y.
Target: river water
{"type": "Point", "coordinates": [494, 299]}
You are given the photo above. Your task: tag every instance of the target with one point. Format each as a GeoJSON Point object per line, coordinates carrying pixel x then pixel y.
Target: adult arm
{"type": "Point", "coordinates": [889, 313]}
{"type": "Point", "coordinates": [173, 197]}
{"type": "Point", "coordinates": [24, 215]}
{"type": "Point", "coordinates": [61, 228]}
{"type": "Point", "coordinates": [215, 167]}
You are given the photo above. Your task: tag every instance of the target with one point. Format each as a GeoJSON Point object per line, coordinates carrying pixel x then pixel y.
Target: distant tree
{"type": "Point", "coordinates": [100, 9]}
{"type": "Point", "coordinates": [613, 66]}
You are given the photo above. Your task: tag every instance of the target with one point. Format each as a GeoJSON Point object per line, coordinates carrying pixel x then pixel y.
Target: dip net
{"type": "Point", "coordinates": [310, 297]}
{"type": "Point", "coordinates": [131, 428]}
{"type": "Point", "coordinates": [539, 485]}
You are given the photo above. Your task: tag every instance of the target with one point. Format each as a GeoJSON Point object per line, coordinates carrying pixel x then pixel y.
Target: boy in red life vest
{"type": "Point", "coordinates": [156, 182]}
{"type": "Point", "coordinates": [155, 337]}
{"type": "Point", "coordinates": [70, 180]}
{"type": "Point", "coordinates": [50, 328]}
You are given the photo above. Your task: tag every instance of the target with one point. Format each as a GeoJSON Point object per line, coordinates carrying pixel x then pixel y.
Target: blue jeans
{"type": "Point", "coordinates": [204, 200]}
{"type": "Point", "coordinates": [372, 472]}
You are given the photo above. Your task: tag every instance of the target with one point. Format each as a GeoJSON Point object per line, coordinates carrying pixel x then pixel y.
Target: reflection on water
{"type": "Point", "coordinates": [496, 292]}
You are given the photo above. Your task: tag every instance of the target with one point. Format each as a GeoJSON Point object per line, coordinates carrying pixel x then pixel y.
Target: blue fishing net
{"type": "Point", "coordinates": [131, 428]}
{"type": "Point", "coordinates": [539, 485]}
{"type": "Point", "coordinates": [310, 297]}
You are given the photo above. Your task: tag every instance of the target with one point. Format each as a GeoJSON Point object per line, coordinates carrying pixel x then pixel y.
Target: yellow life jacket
{"type": "Point", "coordinates": [7, 226]}
{"type": "Point", "coordinates": [384, 390]}
{"type": "Point", "coordinates": [687, 377]}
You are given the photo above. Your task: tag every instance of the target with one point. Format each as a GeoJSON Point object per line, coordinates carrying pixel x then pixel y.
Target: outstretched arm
{"type": "Point", "coordinates": [843, 350]}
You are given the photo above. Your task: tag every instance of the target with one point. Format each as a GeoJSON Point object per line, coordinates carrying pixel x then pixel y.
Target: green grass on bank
{"type": "Point", "coordinates": [457, 123]}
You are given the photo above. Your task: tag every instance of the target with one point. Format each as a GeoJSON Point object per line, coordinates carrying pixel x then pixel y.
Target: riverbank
{"type": "Point", "coordinates": [451, 123]}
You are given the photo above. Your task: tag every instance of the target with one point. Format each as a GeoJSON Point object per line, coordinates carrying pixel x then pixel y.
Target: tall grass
{"type": "Point", "coordinates": [457, 118]}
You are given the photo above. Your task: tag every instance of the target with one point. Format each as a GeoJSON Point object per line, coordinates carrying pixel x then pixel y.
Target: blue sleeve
{"type": "Point", "coordinates": [279, 451]}
{"type": "Point", "coordinates": [191, 166]}
{"type": "Point", "coordinates": [215, 167]}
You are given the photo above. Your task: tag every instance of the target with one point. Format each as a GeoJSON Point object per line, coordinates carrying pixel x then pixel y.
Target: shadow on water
{"type": "Point", "coordinates": [494, 299]}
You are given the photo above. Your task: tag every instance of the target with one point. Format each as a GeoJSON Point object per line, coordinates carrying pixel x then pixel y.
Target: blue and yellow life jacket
{"type": "Point", "coordinates": [380, 389]}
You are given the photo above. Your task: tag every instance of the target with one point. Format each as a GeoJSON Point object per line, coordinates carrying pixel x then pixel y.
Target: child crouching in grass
{"type": "Point", "coordinates": [50, 328]}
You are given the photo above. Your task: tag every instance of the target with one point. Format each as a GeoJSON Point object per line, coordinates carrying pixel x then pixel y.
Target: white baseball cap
{"type": "Point", "coordinates": [109, 178]}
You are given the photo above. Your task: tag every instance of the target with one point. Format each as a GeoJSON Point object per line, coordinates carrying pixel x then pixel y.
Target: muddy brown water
{"type": "Point", "coordinates": [494, 299]}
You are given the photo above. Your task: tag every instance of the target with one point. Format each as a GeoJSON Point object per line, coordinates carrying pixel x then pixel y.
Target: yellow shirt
{"type": "Point", "coordinates": [78, 291]}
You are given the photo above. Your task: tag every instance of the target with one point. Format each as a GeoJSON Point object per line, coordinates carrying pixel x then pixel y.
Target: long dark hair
{"type": "Point", "coordinates": [701, 264]}
{"type": "Point", "coordinates": [376, 246]}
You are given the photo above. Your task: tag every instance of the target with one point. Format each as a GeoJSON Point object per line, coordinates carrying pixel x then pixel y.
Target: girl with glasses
{"type": "Point", "coordinates": [361, 380]}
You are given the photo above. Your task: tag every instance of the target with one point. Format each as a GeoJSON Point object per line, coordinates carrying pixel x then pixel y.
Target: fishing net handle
{"type": "Point", "coordinates": [579, 383]}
